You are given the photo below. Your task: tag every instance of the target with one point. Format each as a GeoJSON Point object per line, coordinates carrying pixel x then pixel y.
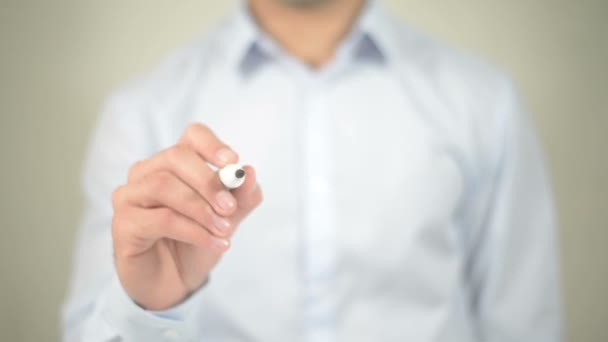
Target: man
{"type": "Point", "coordinates": [404, 193]}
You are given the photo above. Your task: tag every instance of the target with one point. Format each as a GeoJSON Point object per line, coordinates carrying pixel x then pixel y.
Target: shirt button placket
{"type": "Point", "coordinates": [319, 229]}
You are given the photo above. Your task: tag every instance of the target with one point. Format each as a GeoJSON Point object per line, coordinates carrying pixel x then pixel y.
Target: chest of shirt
{"type": "Point", "coordinates": [391, 180]}
{"type": "Point", "coordinates": [354, 155]}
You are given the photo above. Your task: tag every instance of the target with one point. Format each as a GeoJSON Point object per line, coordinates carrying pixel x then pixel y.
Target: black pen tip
{"type": "Point", "coordinates": [240, 173]}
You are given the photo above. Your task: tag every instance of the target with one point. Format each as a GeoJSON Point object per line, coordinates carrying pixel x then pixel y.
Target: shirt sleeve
{"type": "Point", "coordinates": [514, 264]}
{"type": "Point", "coordinates": [97, 308]}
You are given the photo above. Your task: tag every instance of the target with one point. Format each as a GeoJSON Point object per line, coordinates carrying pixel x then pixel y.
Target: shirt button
{"type": "Point", "coordinates": [171, 334]}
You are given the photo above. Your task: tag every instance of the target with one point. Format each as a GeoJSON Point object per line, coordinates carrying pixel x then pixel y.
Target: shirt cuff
{"type": "Point", "coordinates": [133, 323]}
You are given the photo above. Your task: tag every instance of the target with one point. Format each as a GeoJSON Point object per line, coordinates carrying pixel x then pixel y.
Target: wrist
{"type": "Point", "coordinates": [161, 303]}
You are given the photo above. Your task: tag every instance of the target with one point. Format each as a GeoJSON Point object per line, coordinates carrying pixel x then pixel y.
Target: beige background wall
{"type": "Point", "coordinates": [60, 58]}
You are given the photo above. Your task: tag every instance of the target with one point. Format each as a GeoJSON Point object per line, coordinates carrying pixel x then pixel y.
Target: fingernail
{"type": "Point", "coordinates": [221, 223]}
{"type": "Point", "coordinates": [222, 244]}
{"type": "Point", "coordinates": [225, 155]}
{"type": "Point", "coordinates": [225, 200]}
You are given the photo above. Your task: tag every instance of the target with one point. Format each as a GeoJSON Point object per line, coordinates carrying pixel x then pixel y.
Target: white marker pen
{"type": "Point", "coordinates": [232, 176]}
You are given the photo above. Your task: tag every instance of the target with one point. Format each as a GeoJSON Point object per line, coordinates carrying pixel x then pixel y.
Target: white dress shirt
{"type": "Point", "coordinates": [405, 195]}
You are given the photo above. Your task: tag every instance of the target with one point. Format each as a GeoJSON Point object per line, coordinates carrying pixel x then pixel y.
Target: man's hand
{"type": "Point", "coordinates": [174, 218]}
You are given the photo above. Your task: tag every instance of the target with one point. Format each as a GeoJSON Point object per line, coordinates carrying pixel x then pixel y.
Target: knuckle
{"type": "Point", "coordinates": [195, 130]}
{"type": "Point", "coordinates": [137, 230]}
{"type": "Point", "coordinates": [174, 154]}
{"type": "Point", "coordinates": [201, 136]}
{"type": "Point", "coordinates": [124, 226]}
{"type": "Point", "coordinates": [134, 170]}
{"type": "Point", "coordinates": [118, 225]}
{"type": "Point", "coordinates": [118, 195]}
{"type": "Point", "coordinates": [161, 182]}
{"type": "Point", "coordinates": [165, 218]}
{"type": "Point", "coordinates": [116, 220]}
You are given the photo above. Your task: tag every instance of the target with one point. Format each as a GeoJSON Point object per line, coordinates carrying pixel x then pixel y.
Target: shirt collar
{"type": "Point", "coordinates": [375, 25]}
{"type": "Point", "coordinates": [250, 47]}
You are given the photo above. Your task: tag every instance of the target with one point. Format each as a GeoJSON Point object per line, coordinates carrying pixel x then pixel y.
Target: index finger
{"type": "Point", "coordinates": [203, 141]}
